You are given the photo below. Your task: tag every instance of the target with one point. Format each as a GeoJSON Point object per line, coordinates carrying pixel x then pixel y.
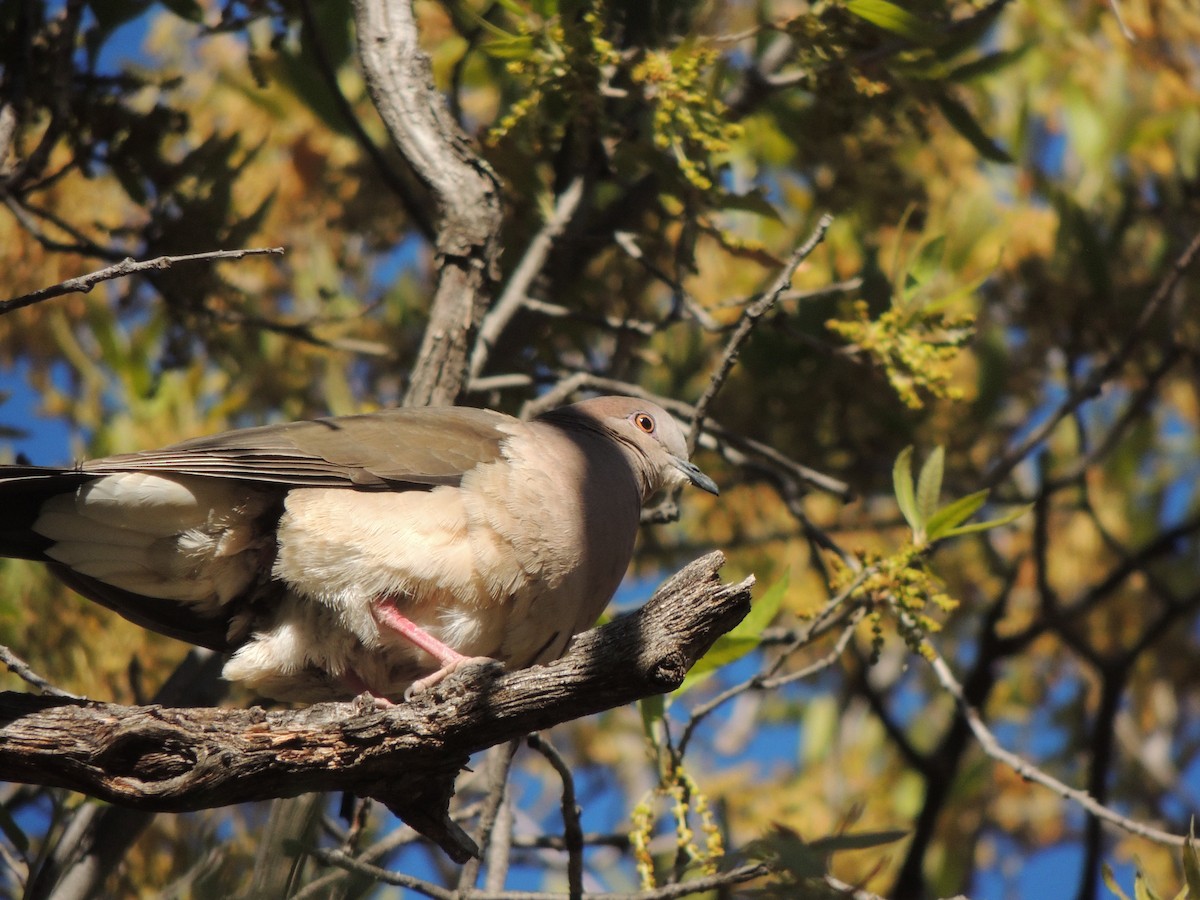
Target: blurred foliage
{"type": "Point", "coordinates": [1010, 183]}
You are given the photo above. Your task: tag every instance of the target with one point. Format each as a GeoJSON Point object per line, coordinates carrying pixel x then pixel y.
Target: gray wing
{"type": "Point", "coordinates": [374, 451]}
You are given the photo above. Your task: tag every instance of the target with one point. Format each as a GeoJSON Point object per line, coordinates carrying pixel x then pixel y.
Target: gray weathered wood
{"type": "Point", "coordinates": [169, 759]}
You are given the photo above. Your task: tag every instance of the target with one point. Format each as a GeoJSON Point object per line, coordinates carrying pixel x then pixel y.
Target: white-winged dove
{"type": "Point", "coordinates": [373, 552]}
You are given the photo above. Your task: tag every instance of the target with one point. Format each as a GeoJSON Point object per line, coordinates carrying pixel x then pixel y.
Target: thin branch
{"type": "Point", "coordinates": [572, 828]}
{"type": "Point", "coordinates": [24, 212]}
{"type": "Point", "coordinates": [833, 289]}
{"type": "Point", "coordinates": [499, 761]}
{"type": "Point", "coordinates": [532, 261]}
{"type": "Point", "coordinates": [84, 283]}
{"type": "Point", "coordinates": [626, 242]}
{"type": "Point", "coordinates": [1115, 6]}
{"type": "Point", "coordinates": [1102, 374]}
{"type": "Point", "coordinates": [343, 860]}
{"type": "Point", "coordinates": [557, 842]}
{"type": "Point", "coordinates": [614, 323]}
{"type": "Point", "coordinates": [22, 670]}
{"type": "Point", "coordinates": [749, 319]}
{"type": "Point", "coordinates": [740, 875]}
{"type": "Point", "coordinates": [8, 130]}
{"type": "Point", "coordinates": [1137, 408]}
{"type": "Point", "coordinates": [826, 620]}
{"type": "Point", "coordinates": [992, 747]}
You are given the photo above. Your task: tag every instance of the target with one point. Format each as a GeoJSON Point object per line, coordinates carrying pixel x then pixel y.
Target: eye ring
{"type": "Point", "coordinates": [643, 421]}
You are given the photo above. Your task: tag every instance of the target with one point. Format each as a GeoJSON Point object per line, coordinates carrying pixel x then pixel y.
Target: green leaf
{"type": "Point", "coordinates": [975, 527]}
{"type": "Point", "coordinates": [743, 639]}
{"type": "Point", "coordinates": [652, 710]}
{"type": "Point", "coordinates": [902, 483]}
{"type": "Point", "coordinates": [788, 853]}
{"type": "Point", "coordinates": [969, 32]}
{"type": "Point", "coordinates": [1142, 889]}
{"type": "Point", "coordinates": [964, 123]}
{"type": "Point", "coordinates": [988, 64]}
{"type": "Point", "coordinates": [1110, 881]}
{"type": "Point", "coordinates": [895, 19]}
{"type": "Point", "coordinates": [491, 27]}
{"type": "Point", "coordinates": [863, 840]}
{"type": "Point", "coordinates": [929, 484]}
{"type": "Point", "coordinates": [515, 8]}
{"type": "Point", "coordinates": [514, 47]}
{"type": "Point", "coordinates": [928, 259]}
{"type": "Point", "coordinates": [754, 201]}
{"type": "Point", "coordinates": [954, 514]}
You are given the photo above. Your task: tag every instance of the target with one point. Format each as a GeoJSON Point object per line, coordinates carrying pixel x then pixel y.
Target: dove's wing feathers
{"type": "Point", "coordinates": [371, 451]}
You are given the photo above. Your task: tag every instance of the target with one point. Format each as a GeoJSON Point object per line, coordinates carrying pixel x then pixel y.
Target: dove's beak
{"type": "Point", "coordinates": [695, 476]}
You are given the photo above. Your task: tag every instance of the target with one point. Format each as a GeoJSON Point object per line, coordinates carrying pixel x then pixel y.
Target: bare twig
{"type": "Point", "coordinates": [740, 875]}
{"type": "Point", "coordinates": [830, 290]}
{"type": "Point", "coordinates": [1125, 29]}
{"type": "Point", "coordinates": [8, 130]}
{"type": "Point", "coordinates": [1102, 374]}
{"type": "Point", "coordinates": [516, 292]}
{"type": "Point", "coordinates": [830, 616]}
{"type": "Point", "coordinates": [992, 747]}
{"type": "Point", "coordinates": [22, 670]}
{"type": "Point", "coordinates": [24, 213]}
{"type": "Point", "coordinates": [749, 319]}
{"type": "Point", "coordinates": [84, 283]}
{"type": "Point", "coordinates": [572, 828]}
{"type": "Point", "coordinates": [614, 323]}
{"type": "Point", "coordinates": [499, 761]}
{"type": "Point", "coordinates": [707, 321]}
{"type": "Point", "coordinates": [343, 860]}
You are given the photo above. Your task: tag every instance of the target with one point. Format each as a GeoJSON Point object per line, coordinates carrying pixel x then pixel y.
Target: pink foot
{"type": "Point", "coordinates": [449, 658]}
{"type": "Point", "coordinates": [463, 662]}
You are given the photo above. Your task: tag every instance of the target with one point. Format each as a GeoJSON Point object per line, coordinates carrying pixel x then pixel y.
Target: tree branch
{"type": "Point", "coordinates": [465, 192]}
{"type": "Point", "coordinates": [745, 326]}
{"type": "Point", "coordinates": [993, 748]}
{"type": "Point", "coordinates": [406, 756]}
{"type": "Point", "coordinates": [129, 266]}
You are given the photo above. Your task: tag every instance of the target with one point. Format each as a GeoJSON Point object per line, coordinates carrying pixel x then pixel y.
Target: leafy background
{"type": "Point", "coordinates": [1010, 182]}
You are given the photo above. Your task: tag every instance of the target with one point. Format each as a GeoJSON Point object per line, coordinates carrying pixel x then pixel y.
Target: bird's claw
{"type": "Point", "coordinates": [423, 685]}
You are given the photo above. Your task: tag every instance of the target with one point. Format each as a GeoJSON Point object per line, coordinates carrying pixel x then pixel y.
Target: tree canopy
{"type": "Point", "coordinates": [919, 277]}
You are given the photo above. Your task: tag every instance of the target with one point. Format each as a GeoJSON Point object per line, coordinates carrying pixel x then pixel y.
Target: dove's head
{"type": "Point", "coordinates": [649, 435]}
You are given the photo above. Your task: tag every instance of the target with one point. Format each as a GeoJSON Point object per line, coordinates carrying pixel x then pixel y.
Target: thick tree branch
{"type": "Point", "coordinates": [465, 192]}
{"type": "Point", "coordinates": [406, 756]}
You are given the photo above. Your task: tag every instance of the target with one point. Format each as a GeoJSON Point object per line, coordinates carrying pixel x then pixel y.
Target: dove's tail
{"type": "Point", "coordinates": [24, 490]}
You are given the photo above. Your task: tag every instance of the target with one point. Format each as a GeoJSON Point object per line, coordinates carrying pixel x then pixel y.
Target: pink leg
{"type": "Point", "coordinates": [449, 658]}
{"type": "Point", "coordinates": [386, 612]}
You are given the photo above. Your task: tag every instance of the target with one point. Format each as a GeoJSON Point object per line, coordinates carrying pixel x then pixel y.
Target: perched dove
{"type": "Point", "coordinates": [374, 552]}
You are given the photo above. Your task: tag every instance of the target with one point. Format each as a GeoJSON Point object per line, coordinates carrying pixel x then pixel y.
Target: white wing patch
{"type": "Point", "coordinates": [175, 538]}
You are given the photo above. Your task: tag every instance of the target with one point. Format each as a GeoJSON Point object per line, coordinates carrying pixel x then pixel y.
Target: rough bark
{"type": "Point", "coordinates": [177, 759]}
{"type": "Point", "coordinates": [464, 191]}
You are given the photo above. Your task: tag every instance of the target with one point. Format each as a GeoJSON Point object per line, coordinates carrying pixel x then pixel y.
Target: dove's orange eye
{"type": "Point", "coordinates": [644, 421]}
